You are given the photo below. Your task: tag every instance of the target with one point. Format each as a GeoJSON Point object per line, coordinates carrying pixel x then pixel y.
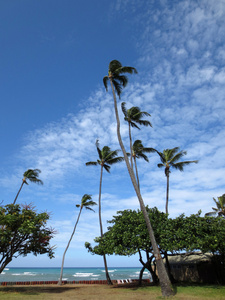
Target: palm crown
{"type": "Point", "coordinates": [220, 205]}
{"type": "Point", "coordinates": [107, 157]}
{"type": "Point", "coordinates": [86, 202]}
{"type": "Point", "coordinates": [139, 150]}
{"type": "Point", "coordinates": [170, 158]}
{"type": "Point", "coordinates": [115, 73]}
{"type": "Point", "coordinates": [133, 116]}
{"type": "Point", "coordinates": [32, 176]}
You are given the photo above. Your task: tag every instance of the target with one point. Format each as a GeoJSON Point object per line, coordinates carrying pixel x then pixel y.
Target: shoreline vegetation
{"type": "Point", "coordinates": [106, 292]}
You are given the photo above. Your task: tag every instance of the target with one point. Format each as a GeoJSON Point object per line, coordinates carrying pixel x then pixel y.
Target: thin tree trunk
{"type": "Point", "coordinates": [64, 254]}
{"type": "Point", "coordinates": [136, 169]}
{"type": "Point", "coordinates": [131, 147]}
{"type": "Point", "coordinates": [167, 193]}
{"type": "Point", "coordinates": [101, 229]}
{"type": "Point", "coordinates": [19, 192]}
{"type": "Point", "coordinates": [163, 276]}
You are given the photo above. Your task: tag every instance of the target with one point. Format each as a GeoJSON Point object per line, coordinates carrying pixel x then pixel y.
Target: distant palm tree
{"type": "Point", "coordinates": [32, 176]}
{"type": "Point", "coordinates": [118, 82]}
{"type": "Point", "coordinates": [220, 207]}
{"type": "Point", "coordinates": [107, 157]}
{"type": "Point", "coordinates": [86, 202]}
{"type": "Point", "coordinates": [138, 151]}
{"type": "Point", "coordinates": [170, 159]}
{"type": "Point", "coordinates": [134, 116]}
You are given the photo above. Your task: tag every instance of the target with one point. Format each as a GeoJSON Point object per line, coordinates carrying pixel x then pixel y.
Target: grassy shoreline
{"type": "Point", "coordinates": [105, 292]}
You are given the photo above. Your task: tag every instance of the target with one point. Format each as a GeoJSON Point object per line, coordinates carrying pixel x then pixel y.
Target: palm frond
{"type": "Point", "coordinates": [142, 155]}
{"type": "Point", "coordinates": [125, 69]}
{"type": "Point", "coordinates": [91, 163]}
{"type": "Point", "coordinates": [115, 160]}
{"type": "Point", "coordinates": [180, 165]}
{"type": "Point", "coordinates": [114, 65]}
{"type": "Point", "coordinates": [118, 87]}
{"type": "Point", "coordinates": [124, 110]}
{"type": "Point", "coordinates": [105, 82]}
{"type": "Point", "coordinates": [161, 165]}
{"type": "Point", "coordinates": [132, 124]}
{"type": "Point", "coordinates": [144, 122]}
{"type": "Point", "coordinates": [107, 168]}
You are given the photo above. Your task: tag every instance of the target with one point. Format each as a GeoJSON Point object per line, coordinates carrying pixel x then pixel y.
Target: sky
{"type": "Point", "coordinates": [54, 106]}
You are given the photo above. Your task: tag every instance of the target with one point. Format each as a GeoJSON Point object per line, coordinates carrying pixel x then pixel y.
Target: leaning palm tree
{"type": "Point", "coordinates": [32, 176]}
{"type": "Point", "coordinates": [170, 159]}
{"type": "Point", "coordinates": [138, 151]}
{"type": "Point", "coordinates": [86, 202]}
{"type": "Point", "coordinates": [118, 81]}
{"type": "Point", "coordinates": [134, 116]}
{"type": "Point", "coordinates": [107, 157]}
{"type": "Point", "coordinates": [220, 207]}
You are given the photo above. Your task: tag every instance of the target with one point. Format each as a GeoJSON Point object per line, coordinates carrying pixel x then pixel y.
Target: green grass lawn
{"type": "Point", "coordinates": [105, 292]}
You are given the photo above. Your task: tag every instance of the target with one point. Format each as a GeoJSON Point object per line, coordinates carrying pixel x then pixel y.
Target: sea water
{"type": "Point", "coordinates": [69, 274]}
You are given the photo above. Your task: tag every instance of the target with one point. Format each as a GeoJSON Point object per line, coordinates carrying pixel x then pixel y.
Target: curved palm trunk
{"type": "Point", "coordinates": [18, 192]}
{"type": "Point", "coordinates": [167, 193]}
{"type": "Point", "coordinates": [163, 276]}
{"type": "Point", "coordinates": [136, 170]}
{"type": "Point", "coordinates": [101, 229]}
{"type": "Point", "coordinates": [64, 254]}
{"type": "Point", "coordinates": [131, 147]}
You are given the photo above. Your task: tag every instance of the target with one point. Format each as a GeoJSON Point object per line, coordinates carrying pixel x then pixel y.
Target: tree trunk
{"type": "Point", "coordinates": [64, 254]}
{"type": "Point", "coordinates": [131, 147]}
{"type": "Point", "coordinates": [163, 276]}
{"type": "Point", "coordinates": [136, 169]}
{"type": "Point", "coordinates": [101, 229]}
{"type": "Point", "coordinates": [18, 192]}
{"type": "Point", "coordinates": [167, 192]}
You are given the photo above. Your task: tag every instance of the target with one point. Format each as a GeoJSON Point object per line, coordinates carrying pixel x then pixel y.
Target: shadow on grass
{"type": "Point", "coordinates": [36, 290]}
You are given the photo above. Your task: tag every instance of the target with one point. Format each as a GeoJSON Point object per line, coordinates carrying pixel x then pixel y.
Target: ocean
{"type": "Point", "coordinates": [69, 274]}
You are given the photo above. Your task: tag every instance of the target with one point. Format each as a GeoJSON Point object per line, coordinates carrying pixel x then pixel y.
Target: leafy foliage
{"type": "Point", "coordinates": [23, 231]}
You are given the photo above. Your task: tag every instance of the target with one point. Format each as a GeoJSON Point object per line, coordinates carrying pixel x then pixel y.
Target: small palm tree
{"type": "Point", "coordinates": [170, 159]}
{"type": "Point", "coordinates": [107, 157]}
{"type": "Point", "coordinates": [134, 116]}
{"type": "Point", "coordinates": [86, 202]}
{"type": "Point", "coordinates": [118, 81]}
{"type": "Point", "coordinates": [220, 207]}
{"type": "Point", "coordinates": [32, 176]}
{"type": "Point", "coordinates": [138, 151]}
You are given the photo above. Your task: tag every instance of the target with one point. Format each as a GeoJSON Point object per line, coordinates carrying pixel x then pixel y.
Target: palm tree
{"type": "Point", "coordinates": [170, 159]}
{"type": "Point", "coordinates": [133, 116]}
{"type": "Point", "coordinates": [32, 176]}
{"type": "Point", "coordinates": [117, 82]}
{"type": "Point", "coordinates": [86, 202]}
{"type": "Point", "coordinates": [107, 157]}
{"type": "Point", "coordinates": [138, 151]}
{"type": "Point", "coordinates": [220, 207]}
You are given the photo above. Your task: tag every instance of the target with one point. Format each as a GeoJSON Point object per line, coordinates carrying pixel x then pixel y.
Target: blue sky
{"type": "Point", "coordinates": [54, 55]}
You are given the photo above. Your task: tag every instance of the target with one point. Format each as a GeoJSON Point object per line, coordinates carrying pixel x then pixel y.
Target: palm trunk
{"type": "Point", "coordinates": [167, 192]}
{"type": "Point", "coordinates": [101, 229]}
{"type": "Point", "coordinates": [136, 169]}
{"type": "Point", "coordinates": [163, 276]}
{"type": "Point", "coordinates": [18, 192]}
{"type": "Point", "coordinates": [64, 254]}
{"type": "Point", "coordinates": [131, 147]}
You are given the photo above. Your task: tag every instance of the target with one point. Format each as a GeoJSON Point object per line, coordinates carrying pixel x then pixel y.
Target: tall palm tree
{"type": "Point", "coordinates": [107, 157]}
{"type": "Point", "coordinates": [86, 202]}
{"type": "Point", "coordinates": [32, 176]}
{"type": "Point", "coordinates": [134, 116]}
{"type": "Point", "coordinates": [138, 151]}
{"type": "Point", "coordinates": [220, 207]}
{"type": "Point", "coordinates": [118, 81]}
{"type": "Point", "coordinates": [170, 159]}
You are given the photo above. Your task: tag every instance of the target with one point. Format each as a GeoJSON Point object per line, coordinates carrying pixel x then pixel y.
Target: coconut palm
{"type": "Point", "coordinates": [107, 157]}
{"type": "Point", "coordinates": [118, 81]}
{"type": "Point", "coordinates": [220, 207]}
{"type": "Point", "coordinates": [138, 151]}
{"type": "Point", "coordinates": [32, 176]}
{"type": "Point", "coordinates": [86, 202]}
{"type": "Point", "coordinates": [134, 116]}
{"type": "Point", "coordinates": [170, 159]}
